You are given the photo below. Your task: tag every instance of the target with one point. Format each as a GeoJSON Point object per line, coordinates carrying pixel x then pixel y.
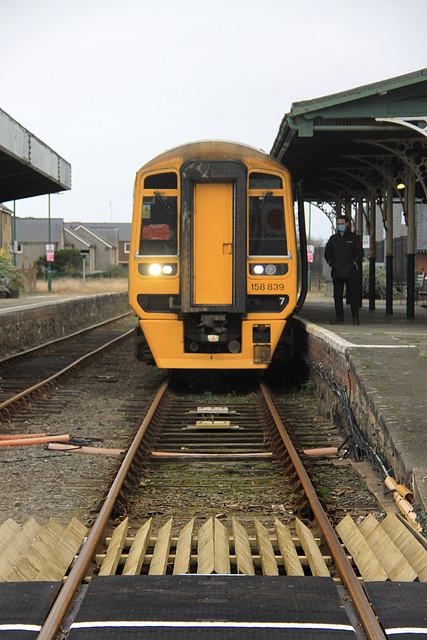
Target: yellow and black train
{"type": "Point", "coordinates": [213, 259]}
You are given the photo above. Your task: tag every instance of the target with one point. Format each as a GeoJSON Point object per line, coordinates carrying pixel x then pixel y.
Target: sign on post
{"type": "Point", "coordinates": [310, 252]}
{"type": "Point", "coordinates": [50, 252]}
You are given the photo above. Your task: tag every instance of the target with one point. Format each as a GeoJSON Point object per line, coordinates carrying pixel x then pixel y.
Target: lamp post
{"type": "Point", "coordinates": [49, 279]}
{"type": "Point", "coordinates": [14, 243]}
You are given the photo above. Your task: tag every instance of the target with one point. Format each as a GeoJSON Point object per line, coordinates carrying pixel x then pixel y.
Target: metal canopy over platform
{"type": "Point", "coordinates": [365, 147]}
{"type": "Point", "coordinates": [28, 167]}
{"type": "Point", "coordinates": [347, 144]}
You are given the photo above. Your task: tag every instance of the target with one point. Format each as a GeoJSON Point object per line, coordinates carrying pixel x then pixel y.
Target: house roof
{"type": "Point", "coordinates": [76, 236]}
{"type": "Point", "coordinates": [95, 236]}
{"type": "Point", "coordinates": [36, 230]}
{"type": "Point", "coordinates": [124, 229]}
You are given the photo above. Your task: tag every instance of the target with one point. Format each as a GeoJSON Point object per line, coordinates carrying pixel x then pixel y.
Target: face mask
{"type": "Point", "coordinates": [341, 227]}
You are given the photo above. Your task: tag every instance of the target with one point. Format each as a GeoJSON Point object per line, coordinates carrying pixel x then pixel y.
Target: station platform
{"type": "Point", "coordinates": [33, 320]}
{"type": "Point", "coordinates": [25, 303]}
{"type": "Point", "coordinates": [388, 353]}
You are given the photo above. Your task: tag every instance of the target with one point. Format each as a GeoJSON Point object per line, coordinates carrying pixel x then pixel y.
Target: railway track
{"type": "Point", "coordinates": [145, 452]}
{"type": "Point", "coordinates": [224, 495]}
{"type": "Point", "coordinates": [31, 374]}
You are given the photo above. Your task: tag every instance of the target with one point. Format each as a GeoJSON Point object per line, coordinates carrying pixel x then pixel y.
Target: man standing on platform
{"type": "Point", "coordinates": [344, 253]}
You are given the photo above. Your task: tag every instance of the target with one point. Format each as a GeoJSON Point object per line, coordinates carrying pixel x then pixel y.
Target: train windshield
{"type": "Point", "coordinates": [158, 226]}
{"type": "Point", "coordinates": [267, 232]}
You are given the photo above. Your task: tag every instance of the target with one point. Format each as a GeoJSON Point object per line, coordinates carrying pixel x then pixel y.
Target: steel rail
{"type": "Point", "coordinates": [370, 623]}
{"type": "Point", "coordinates": [27, 392]}
{"type": "Point", "coordinates": [77, 573]}
{"type": "Point", "coordinates": [47, 345]}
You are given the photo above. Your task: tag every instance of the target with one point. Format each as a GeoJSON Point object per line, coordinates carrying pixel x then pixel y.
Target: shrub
{"type": "Point", "coordinates": [380, 282]}
{"type": "Point", "coordinates": [117, 271]}
{"type": "Point", "coordinates": [10, 278]}
{"type": "Point", "coordinates": [66, 261]}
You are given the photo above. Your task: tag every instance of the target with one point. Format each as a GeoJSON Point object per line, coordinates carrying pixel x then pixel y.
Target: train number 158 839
{"type": "Point", "coordinates": [270, 286]}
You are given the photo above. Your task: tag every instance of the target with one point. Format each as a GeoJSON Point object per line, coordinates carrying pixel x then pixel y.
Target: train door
{"type": "Point", "coordinates": [213, 236]}
{"type": "Point", "coordinates": [213, 243]}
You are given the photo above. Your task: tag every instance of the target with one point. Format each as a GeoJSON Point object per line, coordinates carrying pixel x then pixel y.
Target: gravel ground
{"type": "Point", "coordinates": [181, 492]}
{"type": "Point", "coordinates": [103, 401]}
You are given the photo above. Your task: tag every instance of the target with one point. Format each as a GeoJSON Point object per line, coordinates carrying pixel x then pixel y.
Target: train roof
{"type": "Point", "coordinates": [211, 150]}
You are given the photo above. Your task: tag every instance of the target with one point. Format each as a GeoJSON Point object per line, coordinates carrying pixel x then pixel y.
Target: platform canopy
{"type": "Point", "coordinates": [347, 145]}
{"type": "Point", "coordinates": [28, 167]}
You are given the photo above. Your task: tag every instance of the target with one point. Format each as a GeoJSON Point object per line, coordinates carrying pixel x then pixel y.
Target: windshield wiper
{"type": "Point", "coordinates": [265, 199]}
{"type": "Point", "coordinates": [164, 203]}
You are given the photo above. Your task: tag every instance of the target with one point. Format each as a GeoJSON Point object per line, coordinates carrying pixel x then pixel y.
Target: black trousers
{"type": "Point", "coordinates": [353, 295]}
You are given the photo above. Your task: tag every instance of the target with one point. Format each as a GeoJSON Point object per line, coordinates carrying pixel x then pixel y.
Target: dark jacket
{"type": "Point", "coordinates": [344, 253]}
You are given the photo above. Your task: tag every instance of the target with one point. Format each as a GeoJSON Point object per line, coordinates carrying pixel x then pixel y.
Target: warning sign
{"type": "Point", "coordinates": [146, 211]}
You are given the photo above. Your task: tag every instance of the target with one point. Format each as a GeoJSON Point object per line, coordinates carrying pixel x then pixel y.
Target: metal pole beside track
{"type": "Point", "coordinates": [369, 621]}
{"type": "Point", "coordinates": [77, 573]}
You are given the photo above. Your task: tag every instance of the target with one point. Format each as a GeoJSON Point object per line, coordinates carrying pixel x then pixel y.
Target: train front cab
{"type": "Point", "coordinates": [214, 276]}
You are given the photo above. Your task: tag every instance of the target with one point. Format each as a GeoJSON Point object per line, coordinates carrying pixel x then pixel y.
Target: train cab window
{"type": "Point", "coordinates": [264, 181]}
{"type": "Point", "coordinates": [267, 230]}
{"type": "Point", "coordinates": [166, 180]}
{"type": "Point", "coordinates": [158, 226]}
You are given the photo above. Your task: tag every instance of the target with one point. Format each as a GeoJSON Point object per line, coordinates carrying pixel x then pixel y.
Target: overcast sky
{"type": "Point", "coordinates": [110, 84]}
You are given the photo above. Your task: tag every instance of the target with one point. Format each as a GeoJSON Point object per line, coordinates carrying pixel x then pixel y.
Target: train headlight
{"type": "Point", "coordinates": [270, 269]}
{"type": "Point", "coordinates": [155, 269]}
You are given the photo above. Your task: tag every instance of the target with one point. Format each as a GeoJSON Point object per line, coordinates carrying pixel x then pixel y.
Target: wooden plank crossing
{"type": "Point", "coordinates": [379, 551]}
{"type": "Point", "coordinates": [315, 559]}
{"type": "Point", "coordinates": [56, 565]}
{"type": "Point", "coordinates": [288, 551]}
{"type": "Point", "coordinates": [212, 547]}
{"type": "Point", "coordinates": [384, 551]}
{"type": "Point", "coordinates": [183, 550]}
{"type": "Point", "coordinates": [38, 553]}
{"type": "Point", "coordinates": [115, 548]}
{"type": "Point", "coordinates": [159, 561]}
{"type": "Point", "coordinates": [137, 551]}
{"type": "Point", "coordinates": [369, 566]}
{"type": "Point", "coordinates": [392, 559]}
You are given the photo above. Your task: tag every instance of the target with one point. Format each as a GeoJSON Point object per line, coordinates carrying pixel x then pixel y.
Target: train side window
{"type": "Point", "coordinates": [259, 180]}
{"type": "Point", "coordinates": [166, 180]}
{"type": "Point", "coordinates": [158, 226]}
{"type": "Point", "coordinates": [267, 230]}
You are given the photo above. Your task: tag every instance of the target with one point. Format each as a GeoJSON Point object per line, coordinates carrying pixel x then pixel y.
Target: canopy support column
{"type": "Point", "coordinates": [411, 250]}
{"type": "Point", "coordinates": [389, 249]}
{"type": "Point", "coordinates": [372, 258]}
{"type": "Point", "coordinates": [359, 231]}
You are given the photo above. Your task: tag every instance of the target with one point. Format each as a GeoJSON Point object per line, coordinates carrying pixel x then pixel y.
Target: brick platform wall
{"type": "Point", "coordinates": [328, 353]}
{"type": "Point", "coordinates": [25, 328]}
